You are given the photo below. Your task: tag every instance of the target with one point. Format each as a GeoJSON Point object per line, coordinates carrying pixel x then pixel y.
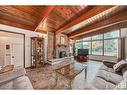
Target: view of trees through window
{"type": "Point", "coordinates": [97, 47]}
{"type": "Point", "coordinates": [103, 44]}
{"type": "Point", "coordinates": [78, 45]}
{"type": "Point", "coordinates": [87, 45]}
{"type": "Point", "coordinates": [111, 47]}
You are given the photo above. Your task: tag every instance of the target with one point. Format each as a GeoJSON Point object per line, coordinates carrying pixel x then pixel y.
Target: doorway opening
{"type": "Point", "coordinates": [12, 49]}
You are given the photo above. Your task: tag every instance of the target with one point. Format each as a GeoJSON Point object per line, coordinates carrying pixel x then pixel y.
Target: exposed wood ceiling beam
{"type": "Point", "coordinates": [41, 31]}
{"type": "Point", "coordinates": [53, 21]}
{"type": "Point", "coordinates": [85, 16]}
{"type": "Point", "coordinates": [48, 10]}
{"type": "Point", "coordinates": [103, 30]}
{"type": "Point", "coordinates": [77, 14]}
{"type": "Point", "coordinates": [119, 18]}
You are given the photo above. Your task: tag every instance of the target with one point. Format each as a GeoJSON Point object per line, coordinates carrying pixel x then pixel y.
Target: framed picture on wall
{"type": "Point", "coordinates": [62, 40]}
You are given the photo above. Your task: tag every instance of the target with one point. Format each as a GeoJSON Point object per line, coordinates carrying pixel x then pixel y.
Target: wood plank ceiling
{"type": "Point", "coordinates": [25, 17]}
{"type": "Point", "coordinates": [61, 15]}
{"type": "Point", "coordinates": [70, 20]}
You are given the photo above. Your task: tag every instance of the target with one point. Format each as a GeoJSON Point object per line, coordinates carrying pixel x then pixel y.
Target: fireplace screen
{"type": "Point", "coordinates": [62, 54]}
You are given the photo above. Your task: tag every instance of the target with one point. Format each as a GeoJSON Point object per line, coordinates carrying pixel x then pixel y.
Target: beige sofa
{"type": "Point", "coordinates": [107, 78]}
{"type": "Point", "coordinates": [15, 79]}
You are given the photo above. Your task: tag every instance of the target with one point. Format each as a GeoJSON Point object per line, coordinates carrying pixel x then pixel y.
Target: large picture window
{"type": "Point", "coordinates": [109, 35]}
{"type": "Point", "coordinates": [111, 47]}
{"type": "Point", "coordinates": [97, 37]}
{"type": "Point", "coordinates": [104, 44]}
{"type": "Point", "coordinates": [87, 45]}
{"type": "Point", "coordinates": [78, 45]}
{"type": "Point", "coordinates": [97, 47]}
{"type": "Point", "coordinates": [111, 43]}
{"type": "Point", "coordinates": [97, 44]}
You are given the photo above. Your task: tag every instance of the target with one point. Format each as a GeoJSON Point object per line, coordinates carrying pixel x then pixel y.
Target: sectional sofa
{"type": "Point", "coordinates": [107, 78]}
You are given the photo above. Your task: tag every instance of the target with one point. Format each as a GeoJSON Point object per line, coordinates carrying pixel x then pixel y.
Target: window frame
{"type": "Point", "coordinates": [90, 52]}
{"type": "Point", "coordinates": [103, 39]}
{"type": "Point", "coordinates": [117, 47]}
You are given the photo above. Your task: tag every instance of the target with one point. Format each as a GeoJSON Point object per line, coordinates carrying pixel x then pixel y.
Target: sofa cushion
{"type": "Point", "coordinates": [124, 72]}
{"type": "Point", "coordinates": [8, 76]}
{"type": "Point", "coordinates": [109, 76]}
{"type": "Point", "coordinates": [109, 64]}
{"type": "Point", "coordinates": [102, 74]}
{"type": "Point", "coordinates": [103, 67]}
{"type": "Point", "coordinates": [114, 78]}
{"type": "Point", "coordinates": [22, 83]}
{"type": "Point", "coordinates": [119, 65]}
{"type": "Point", "coordinates": [110, 85]}
{"type": "Point", "coordinates": [99, 83]}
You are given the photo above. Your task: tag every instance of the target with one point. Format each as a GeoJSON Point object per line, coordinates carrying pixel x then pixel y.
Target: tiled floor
{"type": "Point", "coordinates": [44, 77]}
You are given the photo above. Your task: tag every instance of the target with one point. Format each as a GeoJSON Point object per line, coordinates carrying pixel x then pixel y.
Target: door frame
{"type": "Point", "coordinates": [23, 43]}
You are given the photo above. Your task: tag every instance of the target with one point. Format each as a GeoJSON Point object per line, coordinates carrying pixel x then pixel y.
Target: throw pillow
{"type": "Point", "coordinates": [109, 64]}
{"type": "Point", "coordinates": [120, 65]}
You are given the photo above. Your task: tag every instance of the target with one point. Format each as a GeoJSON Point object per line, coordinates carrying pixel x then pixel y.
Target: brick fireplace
{"type": "Point", "coordinates": [58, 46]}
{"type": "Point", "coordinates": [62, 47]}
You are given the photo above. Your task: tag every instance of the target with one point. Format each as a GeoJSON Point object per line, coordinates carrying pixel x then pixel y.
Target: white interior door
{"type": "Point", "coordinates": [17, 55]}
{"type": "Point", "coordinates": [7, 53]}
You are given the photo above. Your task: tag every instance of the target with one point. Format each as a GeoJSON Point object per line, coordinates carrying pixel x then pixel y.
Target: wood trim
{"type": "Point", "coordinates": [117, 19]}
{"type": "Point", "coordinates": [24, 52]}
{"type": "Point", "coordinates": [85, 16]}
{"type": "Point", "coordinates": [101, 31]}
{"type": "Point", "coordinates": [41, 31]}
{"type": "Point", "coordinates": [12, 32]}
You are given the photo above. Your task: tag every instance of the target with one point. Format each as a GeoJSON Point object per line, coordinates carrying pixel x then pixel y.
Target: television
{"type": "Point", "coordinates": [83, 51]}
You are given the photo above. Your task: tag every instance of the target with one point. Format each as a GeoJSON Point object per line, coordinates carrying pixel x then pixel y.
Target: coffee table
{"type": "Point", "coordinates": [70, 71]}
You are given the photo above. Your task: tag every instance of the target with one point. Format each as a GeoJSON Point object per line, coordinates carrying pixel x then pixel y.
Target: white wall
{"type": "Point", "coordinates": [28, 34]}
